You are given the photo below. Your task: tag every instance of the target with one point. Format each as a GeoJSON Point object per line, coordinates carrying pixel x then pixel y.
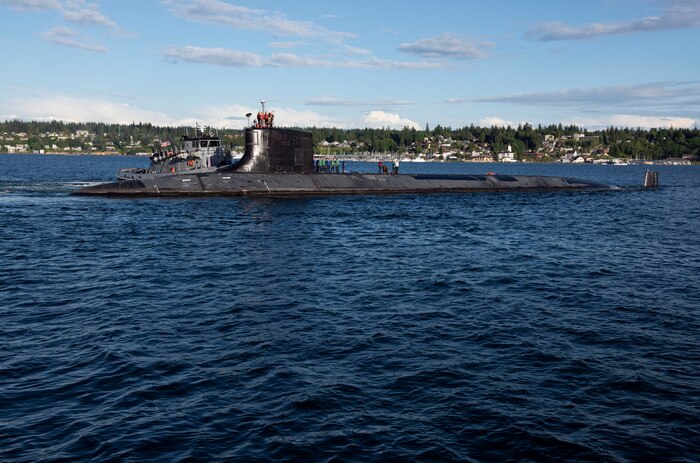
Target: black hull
{"type": "Point", "coordinates": [260, 184]}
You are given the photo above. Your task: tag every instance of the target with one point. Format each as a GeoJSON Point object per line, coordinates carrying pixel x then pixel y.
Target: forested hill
{"type": "Point", "coordinates": [616, 142]}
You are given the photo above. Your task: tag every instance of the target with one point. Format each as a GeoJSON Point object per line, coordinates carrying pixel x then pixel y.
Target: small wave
{"type": "Point", "coordinates": [24, 188]}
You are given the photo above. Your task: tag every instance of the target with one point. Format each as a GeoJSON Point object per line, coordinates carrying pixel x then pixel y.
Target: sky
{"type": "Point", "coordinates": [353, 64]}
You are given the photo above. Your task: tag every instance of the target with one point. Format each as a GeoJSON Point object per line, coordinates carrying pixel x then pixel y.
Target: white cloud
{"type": "Point", "coordinates": [70, 38]}
{"type": "Point", "coordinates": [86, 14]}
{"type": "Point", "coordinates": [287, 44]}
{"type": "Point", "coordinates": [607, 120]}
{"type": "Point", "coordinates": [331, 101]}
{"type": "Point", "coordinates": [652, 95]}
{"type": "Point", "coordinates": [357, 51]}
{"type": "Point", "coordinates": [80, 109]}
{"type": "Point", "coordinates": [629, 120]}
{"type": "Point", "coordinates": [32, 5]}
{"type": "Point", "coordinates": [215, 56]}
{"type": "Point", "coordinates": [293, 118]}
{"type": "Point", "coordinates": [74, 11]}
{"type": "Point", "coordinates": [679, 14]}
{"type": "Point", "coordinates": [292, 60]}
{"type": "Point", "coordinates": [450, 46]}
{"type": "Point", "coordinates": [243, 18]}
{"type": "Point", "coordinates": [236, 58]}
{"type": "Point", "coordinates": [76, 109]}
{"type": "Point", "coordinates": [383, 119]}
{"type": "Point", "coordinates": [233, 116]}
{"type": "Point", "coordinates": [496, 121]}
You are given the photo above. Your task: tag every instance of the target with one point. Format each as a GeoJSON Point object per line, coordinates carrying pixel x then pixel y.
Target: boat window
{"type": "Point", "coordinates": [204, 143]}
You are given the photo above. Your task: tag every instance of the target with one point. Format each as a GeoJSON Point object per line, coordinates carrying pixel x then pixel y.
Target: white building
{"type": "Point", "coordinates": [507, 156]}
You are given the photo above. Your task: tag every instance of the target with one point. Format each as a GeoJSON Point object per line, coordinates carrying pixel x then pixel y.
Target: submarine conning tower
{"type": "Point", "coordinates": [275, 150]}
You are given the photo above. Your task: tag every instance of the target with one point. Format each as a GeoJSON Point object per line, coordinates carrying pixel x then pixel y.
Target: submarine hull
{"type": "Point", "coordinates": [300, 184]}
{"type": "Point", "coordinates": [279, 162]}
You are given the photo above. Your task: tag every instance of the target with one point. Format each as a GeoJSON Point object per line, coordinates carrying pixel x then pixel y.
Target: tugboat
{"type": "Point", "coordinates": [199, 154]}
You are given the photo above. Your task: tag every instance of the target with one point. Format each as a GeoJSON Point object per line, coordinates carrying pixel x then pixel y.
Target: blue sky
{"type": "Point", "coordinates": [363, 63]}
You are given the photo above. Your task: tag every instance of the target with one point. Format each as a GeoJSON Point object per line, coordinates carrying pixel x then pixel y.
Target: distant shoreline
{"type": "Point", "coordinates": [389, 159]}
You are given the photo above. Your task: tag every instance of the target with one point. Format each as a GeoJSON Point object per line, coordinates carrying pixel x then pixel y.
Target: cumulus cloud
{"type": "Point", "coordinates": [647, 95]}
{"type": "Point", "coordinates": [86, 14]}
{"type": "Point", "coordinates": [76, 109]}
{"type": "Point", "coordinates": [607, 120]}
{"type": "Point", "coordinates": [447, 46]}
{"type": "Point", "coordinates": [244, 18]}
{"type": "Point", "coordinates": [295, 118]}
{"type": "Point", "coordinates": [70, 38]}
{"type": "Point", "coordinates": [287, 44]}
{"type": "Point", "coordinates": [626, 120]}
{"type": "Point", "coordinates": [81, 109]}
{"type": "Point", "coordinates": [236, 58]}
{"type": "Point", "coordinates": [491, 121]}
{"type": "Point", "coordinates": [74, 11]}
{"type": "Point", "coordinates": [653, 104]}
{"type": "Point", "coordinates": [276, 24]}
{"type": "Point", "coordinates": [233, 116]}
{"type": "Point", "coordinates": [680, 14]}
{"type": "Point", "coordinates": [32, 5]}
{"type": "Point", "coordinates": [216, 56]}
{"type": "Point", "coordinates": [357, 51]}
{"type": "Point", "coordinates": [79, 12]}
{"type": "Point", "coordinates": [331, 101]}
{"type": "Point", "coordinates": [379, 119]}
{"type": "Point", "coordinates": [644, 122]}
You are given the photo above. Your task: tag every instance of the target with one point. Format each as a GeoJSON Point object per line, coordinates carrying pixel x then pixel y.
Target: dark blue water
{"type": "Point", "coordinates": [457, 327]}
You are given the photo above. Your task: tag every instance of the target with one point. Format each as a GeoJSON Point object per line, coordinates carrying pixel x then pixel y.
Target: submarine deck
{"type": "Point", "coordinates": [289, 184]}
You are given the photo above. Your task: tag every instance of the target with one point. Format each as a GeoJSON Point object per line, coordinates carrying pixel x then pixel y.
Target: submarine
{"type": "Point", "coordinates": [279, 162]}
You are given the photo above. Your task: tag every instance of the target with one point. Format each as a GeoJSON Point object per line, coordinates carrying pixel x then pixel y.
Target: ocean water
{"type": "Point", "coordinates": [551, 326]}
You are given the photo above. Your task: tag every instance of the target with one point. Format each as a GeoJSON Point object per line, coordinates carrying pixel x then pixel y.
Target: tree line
{"type": "Point", "coordinates": [620, 142]}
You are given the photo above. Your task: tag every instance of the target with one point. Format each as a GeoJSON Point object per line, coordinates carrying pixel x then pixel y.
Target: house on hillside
{"type": "Point", "coordinates": [482, 157]}
{"type": "Point", "coordinates": [507, 156]}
